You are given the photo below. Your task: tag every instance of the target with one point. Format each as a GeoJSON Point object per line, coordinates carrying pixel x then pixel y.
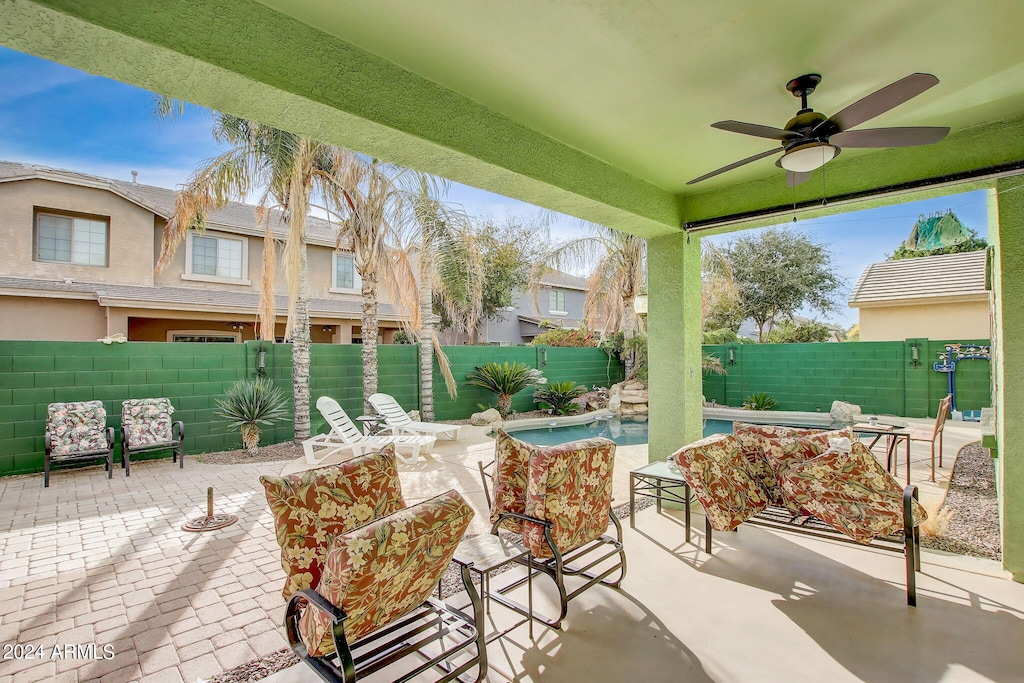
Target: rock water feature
{"type": "Point", "coordinates": [628, 398]}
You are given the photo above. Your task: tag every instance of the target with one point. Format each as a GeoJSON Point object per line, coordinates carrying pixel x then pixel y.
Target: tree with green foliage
{"type": "Point", "coordinates": [481, 269]}
{"type": "Point", "coordinates": [789, 332]}
{"type": "Point", "coordinates": [974, 242]}
{"type": "Point", "coordinates": [777, 272]}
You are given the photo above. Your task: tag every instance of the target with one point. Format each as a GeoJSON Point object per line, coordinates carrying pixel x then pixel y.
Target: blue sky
{"type": "Point", "coordinates": [57, 116]}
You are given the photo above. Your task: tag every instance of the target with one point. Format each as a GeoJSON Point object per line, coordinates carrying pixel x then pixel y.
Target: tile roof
{"type": "Point", "coordinates": [949, 275]}
{"type": "Point", "coordinates": [185, 298]}
{"type": "Point", "coordinates": [234, 217]}
{"type": "Point", "coordinates": [556, 278]}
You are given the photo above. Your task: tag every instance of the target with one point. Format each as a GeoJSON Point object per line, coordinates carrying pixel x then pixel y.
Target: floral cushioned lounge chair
{"type": "Point", "coordinates": [815, 487]}
{"type": "Point", "coordinates": [77, 432]}
{"type": "Point", "coordinates": [361, 569]}
{"type": "Point", "coordinates": [146, 426]}
{"type": "Point", "coordinates": [559, 498]}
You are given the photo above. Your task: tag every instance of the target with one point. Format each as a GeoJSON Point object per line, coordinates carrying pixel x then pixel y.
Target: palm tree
{"type": "Point", "coordinates": [291, 170]}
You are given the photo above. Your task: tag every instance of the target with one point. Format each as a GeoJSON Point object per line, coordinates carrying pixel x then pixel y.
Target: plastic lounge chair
{"type": "Point", "coordinates": [77, 432]}
{"type": "Point", "coordinates": [563, 519]}
{"type": "Point", "coordinates": [359, 593]}
{"type": "Point", "coordinates": [344, 435]}
{"type": "Point", "coordinates": [146, 426]}
{"type": "Point", "coordinates": [400, 422]}
{"type": "Point", "coordinates": [935, 433]}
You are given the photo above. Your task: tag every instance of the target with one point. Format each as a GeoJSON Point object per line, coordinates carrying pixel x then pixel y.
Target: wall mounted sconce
{"type": "Point", "coordinates": [640, 305]}
{"type": "Point", "coordinates": [261, 362]}
{"type": "Point", "coordinates": [915, 355]}
{"type": "Point", "coordinates": [237, 327]}
{"type": "Point", "coordinates": [732, 356]}
{"type": "Point", "coordinates": [328, 328]}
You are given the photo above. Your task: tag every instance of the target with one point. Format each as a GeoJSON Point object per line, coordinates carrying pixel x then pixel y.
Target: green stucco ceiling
{"type": "Point", "coordinates": [600, 110]}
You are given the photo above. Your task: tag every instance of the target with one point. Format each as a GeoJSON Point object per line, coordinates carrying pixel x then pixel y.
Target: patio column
{"type": "Point", "coordinates": [674, 343]}
{"type": "Point", "coordinates": [1008, 369]}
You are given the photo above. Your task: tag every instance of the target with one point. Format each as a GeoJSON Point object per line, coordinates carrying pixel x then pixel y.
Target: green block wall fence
{"type": "Point", "coordinates": [878, 376]}
{"type": "Point", "coordinates": [195, 376]}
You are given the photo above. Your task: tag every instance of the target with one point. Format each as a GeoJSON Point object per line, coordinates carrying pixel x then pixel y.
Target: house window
{"type": "Point", "coordinates": [71, 239]}
{"type": "Point", "coordinates": [217, 257]}
{"type": "Point", "coordinates": [203, 338]}
{"type": "Point", "coordinates": [556, 302]}
{"type": "Point", "coordinates": [346, 276]}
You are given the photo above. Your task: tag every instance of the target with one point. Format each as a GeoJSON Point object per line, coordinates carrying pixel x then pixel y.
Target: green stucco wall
{"type": "Point", "coordinates": [878, 376]}
{"type": "Point", "coordinates": [194, 376]}
{"type": "Point", "coordinates": [1009, 287]}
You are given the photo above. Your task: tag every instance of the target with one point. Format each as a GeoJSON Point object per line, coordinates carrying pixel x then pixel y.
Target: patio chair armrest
{"type": "Point", "coordinates": [46, 441]}
{"type": "Point", "coordinates": [110, 437]}
{"type": "Point", "coordinates": [522, 518]}
{"type": "Point", "coordinates": [299, 600]}
{"type": "Point", "coordinates": [909, 496]}
{"type": "Point", "coordinates": [180, 427]}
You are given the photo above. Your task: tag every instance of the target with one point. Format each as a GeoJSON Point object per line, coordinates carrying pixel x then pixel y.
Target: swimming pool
{"type": "Point", "coordinates": [625, 431]}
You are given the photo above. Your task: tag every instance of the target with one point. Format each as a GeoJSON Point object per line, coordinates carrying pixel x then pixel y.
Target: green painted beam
{"type": "Point", "coordinates": [244, 58]}
{"type": "Point", "coordinates": [974, 148]}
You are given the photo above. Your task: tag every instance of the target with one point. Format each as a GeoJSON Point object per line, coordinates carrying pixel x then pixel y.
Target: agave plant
{"type": "Point", "coordinates": [759, 401]}
{"type": "Point", "coordinates": [559, 396]}
{"type": "Point", "coordinates": [505, 379]}
{"type": "Point", "coordinates": [249, 403]}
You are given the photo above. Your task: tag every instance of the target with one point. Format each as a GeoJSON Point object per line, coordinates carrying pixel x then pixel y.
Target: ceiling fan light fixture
{"type": "Point", "coordinates": [808, 157]}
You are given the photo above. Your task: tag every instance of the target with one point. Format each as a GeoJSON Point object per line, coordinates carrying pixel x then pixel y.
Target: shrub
{"type": "Point", "coordinates": [506, 380]}
{"type": "Point", "coordinates": [566, 338]}
{"type": "Point", "coordinates": [402, 337]}
{"type": "Point", "coordinates": [249, 403]}
{"type": "Point", "coordinates": [759, 401]}
{"type": "Point", "coordinates": [559, 397]}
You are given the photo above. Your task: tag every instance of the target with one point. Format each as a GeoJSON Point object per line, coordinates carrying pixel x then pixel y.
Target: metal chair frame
{"type": "Point", "coordinates": [430, 623]}
{"type": "Point", "coordinates": [560, 564]}
{"type": "Point", "coordinates": [50, 460]}
{"type": "Point", "coordinates": [176, 445]}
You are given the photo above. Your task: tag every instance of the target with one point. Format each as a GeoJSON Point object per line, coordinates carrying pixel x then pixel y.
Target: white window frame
{"type": "Point", "coordinates": [189, 275]}
{"type": "Point", "coordinates": [554, 311]}
{"type": "Point", "coordinates": [171, 334]}
{"type": "Point", "coordinates": [357, 280]}
{"type": "Point", "coordinates": [72, 217]}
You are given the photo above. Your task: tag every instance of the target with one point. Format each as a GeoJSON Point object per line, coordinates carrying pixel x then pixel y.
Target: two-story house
{"type": "Point", "coordinates": [558, 304]}
{"type": "Point", "coordinates": [78, 255]}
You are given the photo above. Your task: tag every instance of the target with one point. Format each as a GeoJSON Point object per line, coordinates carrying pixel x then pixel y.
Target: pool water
{"type": "Point", "coordinates": [624, 431]}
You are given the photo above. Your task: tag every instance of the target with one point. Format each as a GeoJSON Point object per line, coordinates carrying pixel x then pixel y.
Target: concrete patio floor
{"type": "Point", "coordinates": [92, 560]}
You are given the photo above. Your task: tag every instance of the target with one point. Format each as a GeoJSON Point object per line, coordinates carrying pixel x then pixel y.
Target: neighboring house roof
{"type": "Point", "coordinates": [178, 298]}
{"type": "Point", "coordinates": [947, 277]}
{"type": "Point", "coordinates": [552, 323]}
{"type": "Point", "coordinates": [556, 278]}
{"type": "Point", "coordinates": [234, 217]}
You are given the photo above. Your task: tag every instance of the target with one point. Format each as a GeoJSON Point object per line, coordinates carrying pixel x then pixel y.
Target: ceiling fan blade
{"type": "Point", "coordinates": [889, 137]}
{"type": "Point", "coordinates": [757, 130]}
{"type": "Point", "coordinates": [880, 101]}
{"type": "Point", "coordinates": [737, 164]}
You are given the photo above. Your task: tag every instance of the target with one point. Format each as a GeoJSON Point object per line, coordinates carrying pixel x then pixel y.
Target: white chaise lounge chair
{"type": "Point", "coordinates": [344, 435]}
{"type": "Point", "coordinates": [400, 422]}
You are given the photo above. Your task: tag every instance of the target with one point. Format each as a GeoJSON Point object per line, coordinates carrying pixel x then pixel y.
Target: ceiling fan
{"type": "Point", "coordinates": [810, 139]}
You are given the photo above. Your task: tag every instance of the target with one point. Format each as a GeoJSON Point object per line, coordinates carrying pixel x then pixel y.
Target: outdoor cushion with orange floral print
{"type": "Point", "coordinates": [382, 571]}
{"type": "Point", "coordinates": [718, 474]}
{"type": "Point", "coordinates": [850, 491]}
{"type": "Point", "coordinates": [312, 508]}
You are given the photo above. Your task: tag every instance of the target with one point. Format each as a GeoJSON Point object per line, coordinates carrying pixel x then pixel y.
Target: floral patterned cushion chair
{"type": "Point", "coordinates": [559, 498]}
{"type": "Point", "coordinates": [146, 426]}
{"type": "Point", "coordinates": [362, 568]}
{"type": "Point", "coordinates": [77, 432]}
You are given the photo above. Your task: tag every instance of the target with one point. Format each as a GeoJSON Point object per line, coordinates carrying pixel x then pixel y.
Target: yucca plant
{"type": "Point", "coordinates": [505, 379]}
{"type": "Point", "coordinates": [249, 403]}
{"type": "Point", "coordinates": [559, 396]}
{"type": "Point", "coordinates": [759, 401]}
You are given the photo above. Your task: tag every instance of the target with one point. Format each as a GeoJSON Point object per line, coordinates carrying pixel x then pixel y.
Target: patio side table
{"type": "Point", "coordinates": [660, 481]}
{"type": "Point", "coordinates": [372, 423]}
{"type": "Point", "coordinates": [487, 552]}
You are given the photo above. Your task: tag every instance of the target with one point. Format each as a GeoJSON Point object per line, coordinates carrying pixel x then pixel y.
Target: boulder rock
{"type": "Point", "coordinates": [639, 407]}
{"type": "Point", "coordinates": [633, 396]}
{"type": "Point", "coordinates": [414, 415]}
{"type": "Point", "coordinates": [615, 390]}
{"type": "Point", "coordinates": [614, 403]}
{"type": "Point", "coordinates": [489, 416]}
{"type": "Point", "coordinates": [845, 412]}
